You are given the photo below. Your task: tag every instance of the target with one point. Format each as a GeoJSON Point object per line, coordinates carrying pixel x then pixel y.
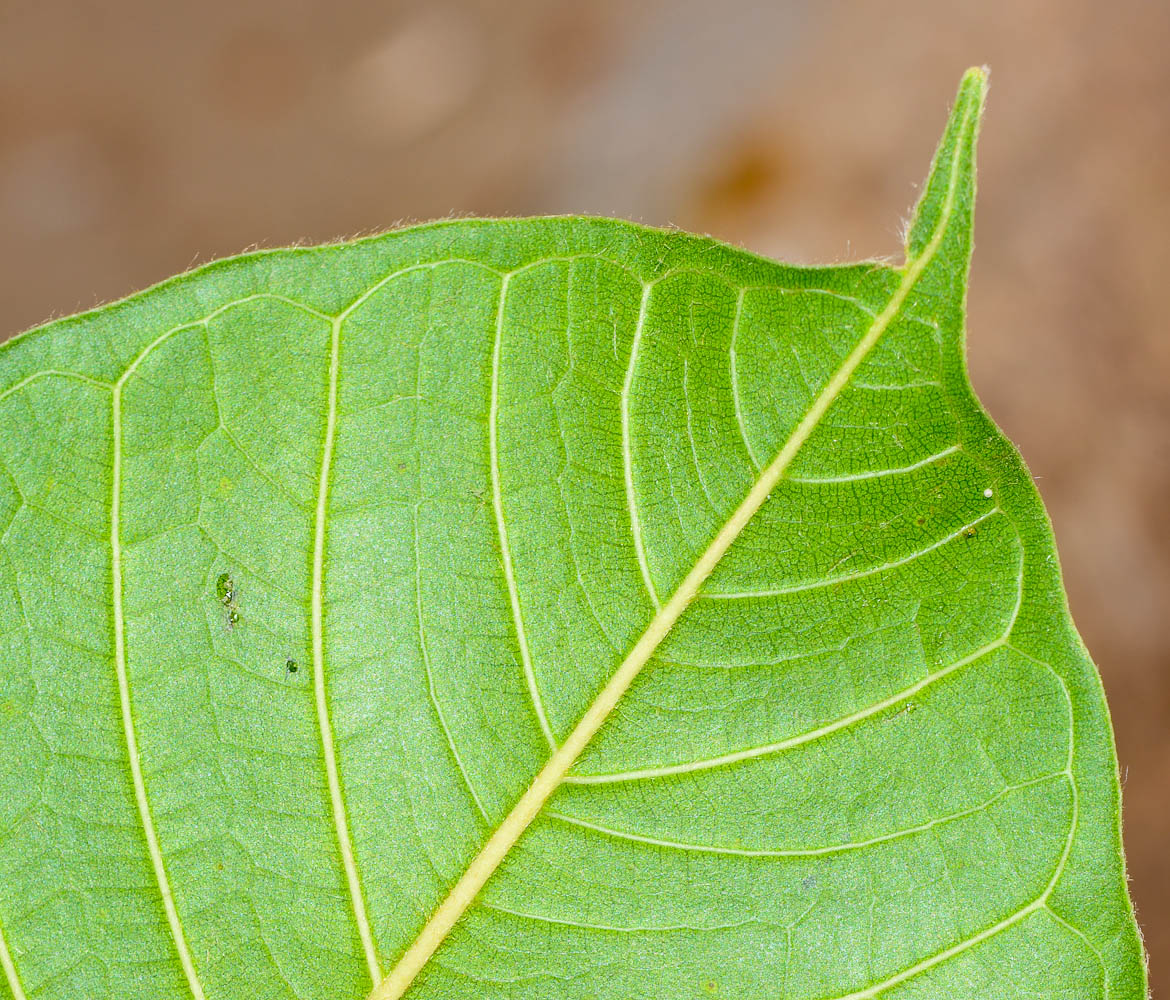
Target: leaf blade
{"type": "Point", "coordinates": [418, 365]}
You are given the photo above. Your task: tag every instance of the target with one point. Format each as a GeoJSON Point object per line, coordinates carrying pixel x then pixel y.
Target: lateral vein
{"type": "Point", "coordinates": [733, 365]}
{"type": "Point", "coordinates": [502, 526]}
{"type": "Point", "coordinates": [855, 477]}
{"type": "Point", "coordinates": [128, 729]}
{"type": "Point", "coordinates": [628, 449]}
{"type": "Point", "coordinates": [798, 852]}
{"type": "Point", "coordinates": [54, 373]}
{"type": "Point", "coordinates": [767, 749]}
{"type": "Point", "coordinates": [431, 688]}
{"type": "Point", "coordinates": [831, 581]}
{"type": "Point", "coordinates": [1036, 905]}
{"type": "Point", "coordinates": [320, 689]}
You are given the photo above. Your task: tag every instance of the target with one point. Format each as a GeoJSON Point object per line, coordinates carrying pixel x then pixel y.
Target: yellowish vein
{"type": "Point", "coordinates": [320, 686]}
{"type": "Point", "coordinates": [128, 729]}
{"type": "Point", "coordinates": [9, 967]}
{"type": "Point", "coordinates": [628, 449]}
{"type": "Point", "coordinates": [502, 524]}
{"type": "Point", "coordinates": [752, 753]}
{"type": "Point", "coordinates": [803, 852]}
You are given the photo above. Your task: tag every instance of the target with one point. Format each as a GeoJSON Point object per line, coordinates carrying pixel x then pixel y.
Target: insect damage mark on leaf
{"type": "Point", "coordinates": [225, 591]}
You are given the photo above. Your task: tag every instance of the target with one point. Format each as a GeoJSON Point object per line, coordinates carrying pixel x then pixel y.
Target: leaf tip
{"type": "Point", "coordinates": [953, 161]}
{"type": "Point", "coordinates": [976, 76]}
{"type": "Point", "coordinates": [973, 91]}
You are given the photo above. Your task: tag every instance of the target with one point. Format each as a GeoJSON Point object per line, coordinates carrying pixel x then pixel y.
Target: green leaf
{"type": "Point", "coordinates": [546, 608]}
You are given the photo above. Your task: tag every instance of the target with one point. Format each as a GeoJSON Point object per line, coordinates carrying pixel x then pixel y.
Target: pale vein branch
{"type": "Point", "coordinates": [128, 727]}
{"type": "Point", "coordinates": [798, 852]}
{"type": "Point", "coordinates": [768, 749]}
{"type": "Point", "coordinates": [830, 581]}
{"type": "Point", "coordinates": [628, 448]}
{"type": "Point", "coordinates": [431, 689]}
{"type": "Point", "coordinates": [502, 524]}
{"type": "Point", "coordinates": [54, 373]}
{"type": "Point", "coordinates": [320, 687]}
{"type": "Point", "coordinates": [1036, 905]}
{"type": "Point", "coordinates": [878, 473]}
{"type": "Point", "coordinates": [733, 364]}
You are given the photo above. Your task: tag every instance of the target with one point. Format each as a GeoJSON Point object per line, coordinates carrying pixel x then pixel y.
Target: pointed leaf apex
{"type": "Point", "coordinates": [948, 196]}
{"type": "Point", "coordinates": [976, 76]}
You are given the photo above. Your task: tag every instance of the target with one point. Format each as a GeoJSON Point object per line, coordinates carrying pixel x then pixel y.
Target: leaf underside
{"type": "Point", "coordinates": [311, 561]}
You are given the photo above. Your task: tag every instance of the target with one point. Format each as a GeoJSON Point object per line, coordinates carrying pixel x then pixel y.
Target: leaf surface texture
{"type": "Point", "coordinates": [543, 609]}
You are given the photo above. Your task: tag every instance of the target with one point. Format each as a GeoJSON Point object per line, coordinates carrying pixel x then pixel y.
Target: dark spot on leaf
{"type": "Point", "coordinates": [225, 590]}
{"type": "Point", "coordinates": [291, 666]}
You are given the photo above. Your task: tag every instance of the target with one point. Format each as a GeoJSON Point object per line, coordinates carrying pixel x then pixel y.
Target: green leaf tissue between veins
{"type": "Point", "coordinates": [544, 608]}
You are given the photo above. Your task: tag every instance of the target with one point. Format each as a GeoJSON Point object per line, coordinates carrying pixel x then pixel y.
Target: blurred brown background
{"type": "Point", "coordinates": [138, 138]}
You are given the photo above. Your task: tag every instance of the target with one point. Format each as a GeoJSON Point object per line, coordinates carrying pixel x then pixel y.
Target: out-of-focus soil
{"type": "Point", "coordinates": [139, 138]}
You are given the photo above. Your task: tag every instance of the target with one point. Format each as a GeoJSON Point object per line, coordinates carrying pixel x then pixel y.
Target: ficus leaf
{"type": "Point", "coordinates": [547, 608]}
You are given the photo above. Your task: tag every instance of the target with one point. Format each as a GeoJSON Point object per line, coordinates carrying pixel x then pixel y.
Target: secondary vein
{"type": "Point", "coordinates": [799, 852]}
{"type": "Point", "coordinates": [502, 524]}
{"type": "Point", "coordinates": [128, 728]}
{"type": "Point", "coordinates": [832, 581]}
{"type": "Point", "coordinates": [754, 753]}
{"type": "Point", "coordinates": [320, 690]}
{"type": "Point", "coordinates": [628, 448]}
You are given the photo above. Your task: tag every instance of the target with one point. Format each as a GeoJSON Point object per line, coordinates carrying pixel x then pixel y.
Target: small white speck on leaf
{"type": "Point", "coordinates": [987, 492]}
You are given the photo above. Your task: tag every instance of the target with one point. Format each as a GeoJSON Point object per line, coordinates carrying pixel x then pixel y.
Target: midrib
{"type": "Point", "coordinates": [9, 967]}
{"type": "Point", "coordinates": [498, 845]}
